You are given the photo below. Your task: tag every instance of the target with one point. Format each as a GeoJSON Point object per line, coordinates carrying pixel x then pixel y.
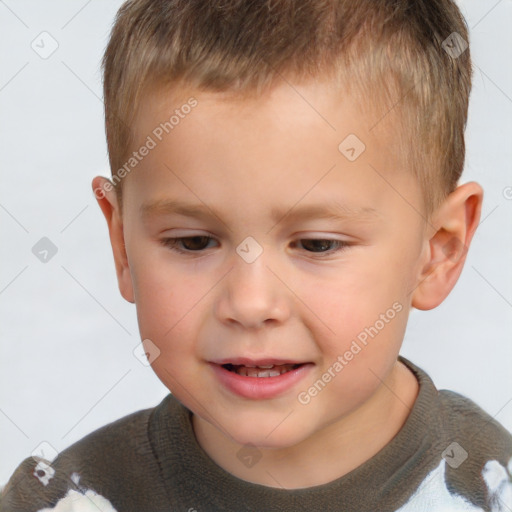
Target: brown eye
{"type": "Point", "coordinates": [318, 245]}
{"type": "Point", "coordinates": [195, 243]}
{"type": "Point", "coordinates": [321, 247]}
{"type": "Point", "coordinates": [188, 243]}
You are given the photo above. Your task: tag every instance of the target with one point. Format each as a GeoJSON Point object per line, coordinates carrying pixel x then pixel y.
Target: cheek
{"type": "Point", "coordinates": [357, 360]}
{"type": "Point", "coordinates": [351, 294]}
{"type": "Point", "coordinates": [167, 313]}
{"type": "Point", "coordinates": [165, 299]}
{"type": "Point", "coordinates": [365, 303]}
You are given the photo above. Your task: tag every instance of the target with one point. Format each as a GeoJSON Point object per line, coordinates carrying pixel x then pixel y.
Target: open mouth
{"type": "Point", "coordinates": [262, 379]}
{"type": "Point", "coordinates": [264, 371]}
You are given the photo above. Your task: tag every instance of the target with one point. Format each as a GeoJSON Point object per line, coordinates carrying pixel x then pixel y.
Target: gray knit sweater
{"type": "Point", "coordinates": [449, 456]}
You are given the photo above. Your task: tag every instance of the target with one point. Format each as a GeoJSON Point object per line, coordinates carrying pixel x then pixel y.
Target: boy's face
{"type": "Point", "coordinates": [307, 250]}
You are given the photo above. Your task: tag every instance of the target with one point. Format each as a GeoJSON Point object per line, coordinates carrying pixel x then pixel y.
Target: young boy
{"type": "Point", "coordinates": [284, 191]}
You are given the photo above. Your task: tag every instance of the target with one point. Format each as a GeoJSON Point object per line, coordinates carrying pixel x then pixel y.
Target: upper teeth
{"type": "Point", "coordinates": [263, 371]}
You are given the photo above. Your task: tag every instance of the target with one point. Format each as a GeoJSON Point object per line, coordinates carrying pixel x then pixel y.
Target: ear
{"type": "Point", "coordinates": [107, 199]}
{"type": "Point", "coordinates": [453, 226]}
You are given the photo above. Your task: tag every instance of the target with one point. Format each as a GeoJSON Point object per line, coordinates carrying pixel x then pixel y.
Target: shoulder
{"type": "Point", "coordinates": [469, 453]}
{"type": "Point", "coordinates": [114, 461]}
{"type": "Point", "coordinates": [468, 423]}
{"type": "Point", "coordinates": [454, 417]}
{"type": "Point", "coordinates": [478, 453]}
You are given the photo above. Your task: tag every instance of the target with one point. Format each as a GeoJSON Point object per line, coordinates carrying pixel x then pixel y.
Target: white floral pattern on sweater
{"type": "Point", "coordinates": [432, 495]}
{"type": "Point", "coordinates": [83, 500]}
{"type": "Point", "coordinates": [75, 501]}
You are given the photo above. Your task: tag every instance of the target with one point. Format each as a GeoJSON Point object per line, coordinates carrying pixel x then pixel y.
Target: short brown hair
{"type": "Point", "coordinates": [409, 53]}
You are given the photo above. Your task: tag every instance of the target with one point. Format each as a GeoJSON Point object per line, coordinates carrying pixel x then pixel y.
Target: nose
{"type": "Point", "coordinates": [252, 296]}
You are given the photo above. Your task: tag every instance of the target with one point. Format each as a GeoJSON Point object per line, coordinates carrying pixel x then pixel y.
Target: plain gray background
{"type": "Point", "coordinates": [67, 337]}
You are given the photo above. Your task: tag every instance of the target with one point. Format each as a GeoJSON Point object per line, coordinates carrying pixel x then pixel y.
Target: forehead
{"type": "Point", "coordinates": [294, 142]}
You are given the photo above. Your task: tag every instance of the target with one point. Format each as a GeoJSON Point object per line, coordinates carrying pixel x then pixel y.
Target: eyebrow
{"type": "Point", "coordinates": [332, 210]}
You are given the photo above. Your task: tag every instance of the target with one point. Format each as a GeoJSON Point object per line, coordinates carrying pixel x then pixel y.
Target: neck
{"type": "Point", "coordinates": [331, 452]}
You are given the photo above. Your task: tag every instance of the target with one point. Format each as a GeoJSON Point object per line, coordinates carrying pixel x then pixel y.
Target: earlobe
{"type": "Point", "coordinates": [107, 200]}
{"type": "Point", "coordinates": [454, 224]}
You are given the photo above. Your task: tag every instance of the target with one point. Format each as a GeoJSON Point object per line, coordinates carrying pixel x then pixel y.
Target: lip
{"type": "Point", "coordinates": [259, 388]}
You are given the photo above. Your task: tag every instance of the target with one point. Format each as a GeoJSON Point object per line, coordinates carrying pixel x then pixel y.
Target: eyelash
{"type": "Point", "coordinates": [172, 244]}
